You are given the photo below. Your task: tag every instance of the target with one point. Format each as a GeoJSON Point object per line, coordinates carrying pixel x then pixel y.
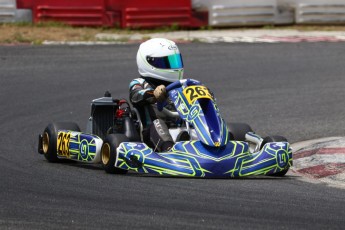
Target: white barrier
{"type": "Point", "coordinates": [245, 12]}
{"type": "Point", "coordinates": [8, 10]}
{"type": "Point", "coordinates": [286, 12]}
{"type": "Point", "coordinates": [320, 12]}
{"type": "Point", "coordinates": [10, 13]}
{"type": "Point", "coordinates": [239, 12]}
{"type": "Point", "coordinates": [24, 15]}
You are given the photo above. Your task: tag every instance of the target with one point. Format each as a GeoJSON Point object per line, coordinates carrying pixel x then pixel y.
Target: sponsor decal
{"type": "Point", "coordinates": [172, 47]}
{"type": "Point", "coordinates": [193, 112]}
{"type": "Point", "coordinates": [282, 158]}
{"type": "Point", "coordinates": [84, 149]}
{"type": "Point", "coordinates": [158, 127]}
{"type": "Point", "coordinates": [279, 144]}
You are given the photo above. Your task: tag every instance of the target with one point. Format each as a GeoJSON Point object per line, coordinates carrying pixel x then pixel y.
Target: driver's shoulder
{"type": "Point", "coordinates": [137, 81]}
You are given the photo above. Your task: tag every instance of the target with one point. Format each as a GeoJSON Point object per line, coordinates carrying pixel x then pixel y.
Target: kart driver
{"type": "Point", "coordinates": [159, 63]}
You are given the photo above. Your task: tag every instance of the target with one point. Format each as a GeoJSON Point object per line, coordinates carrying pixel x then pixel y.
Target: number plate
{"type": "Point", "coordinates": [63, 143]}
{"type": "Point", "coordinates": [196, 92]}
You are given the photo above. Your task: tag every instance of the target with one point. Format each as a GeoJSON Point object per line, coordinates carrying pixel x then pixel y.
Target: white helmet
{"type": "Point", "coordinates": [160, 58]}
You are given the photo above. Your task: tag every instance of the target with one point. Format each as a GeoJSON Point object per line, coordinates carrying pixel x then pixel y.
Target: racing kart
{"type": "Point", "coordinates": [114, 138]}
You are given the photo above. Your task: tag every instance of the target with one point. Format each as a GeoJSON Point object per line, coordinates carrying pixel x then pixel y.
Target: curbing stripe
{"type": "Point", "coordinates": [320, 160]}
{"type": "Point", "coordinates": [321, 171]}
{"type": "Point", "coordinates": [319, 151]}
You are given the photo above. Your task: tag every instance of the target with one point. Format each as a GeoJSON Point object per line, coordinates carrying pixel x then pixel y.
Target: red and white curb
{"type": "Point", "coordinates": [321, 160]}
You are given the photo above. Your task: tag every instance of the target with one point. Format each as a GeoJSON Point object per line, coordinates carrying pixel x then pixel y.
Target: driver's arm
{"type": "Point", "coordinates": [140, 92]}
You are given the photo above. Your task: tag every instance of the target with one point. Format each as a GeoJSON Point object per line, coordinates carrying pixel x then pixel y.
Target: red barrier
{"type": "Point", "coordinates": [114, 4]}
{"type": "Point", "coordinates": [25, 4]}
{"type": "Point", "coordinates": [124, 13]}
{"type": "Point", "coordinates": [199, 19]}
{"type": "Point", "coordinates": [77, 12]}
{"type": "Point", "coordinates": [156, 13]}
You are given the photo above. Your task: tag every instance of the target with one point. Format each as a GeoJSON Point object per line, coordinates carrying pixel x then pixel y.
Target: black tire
{"type": "Point", "coordinates": [49, 138]}
{"type": "Point", "coordinates": [269, 139]}
{"type": "Point", "coordinates": [238, 131]}
{"type": "Point", "coordinates": [108, 153]}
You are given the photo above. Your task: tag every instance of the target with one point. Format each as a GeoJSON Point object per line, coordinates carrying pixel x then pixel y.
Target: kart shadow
{"type": "Point", "coordinates": [136, 174]}
{"type": "Point", "coordinates": [82, 165]}
{"type": "Point", "coordinates": [286, 177]}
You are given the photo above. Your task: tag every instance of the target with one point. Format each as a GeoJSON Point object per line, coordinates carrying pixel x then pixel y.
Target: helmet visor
{"type": "Point", "coordinates": [173, 61]}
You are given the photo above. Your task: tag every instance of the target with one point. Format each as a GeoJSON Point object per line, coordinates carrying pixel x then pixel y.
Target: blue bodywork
{"type": "Point", "coordinates": [213, 155]}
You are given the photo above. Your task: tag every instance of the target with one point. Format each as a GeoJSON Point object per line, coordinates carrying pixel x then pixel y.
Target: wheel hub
{"type": "Point", "coordinates": [105, 153]}
{"type": "Point", "coordinates": [45, 142]}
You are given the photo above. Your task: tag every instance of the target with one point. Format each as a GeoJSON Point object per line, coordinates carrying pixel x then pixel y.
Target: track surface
{"type": "Point", "coordinates": [295, 90]}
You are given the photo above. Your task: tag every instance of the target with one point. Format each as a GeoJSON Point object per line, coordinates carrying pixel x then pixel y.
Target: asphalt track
{"type": "Point", "coordinates": [295, 90]}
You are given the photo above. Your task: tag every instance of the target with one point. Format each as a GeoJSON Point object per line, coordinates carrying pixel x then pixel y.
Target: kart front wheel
{"type": "Point", "coordinates": [237, 131]}
{"type": "Point", "coordinates": [49, 138]}
{"type": "Point", "coordinates": [269, 139]}
{"type": "Point", "coordinates": [108, 153]}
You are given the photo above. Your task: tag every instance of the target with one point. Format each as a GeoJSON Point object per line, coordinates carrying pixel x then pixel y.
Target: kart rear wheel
{"type": "Point", "coordinates": [238, 131]}
{"type": "Point", "coordinates": [108, 153]}
{"type": "Point", "coordinates": [269, 139]}
{"type": "Point", "coordinates": [49, 138]}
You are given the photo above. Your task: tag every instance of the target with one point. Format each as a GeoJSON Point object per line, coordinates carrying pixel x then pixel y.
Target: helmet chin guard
{"type": "Point", "coordinates": [160, 58]}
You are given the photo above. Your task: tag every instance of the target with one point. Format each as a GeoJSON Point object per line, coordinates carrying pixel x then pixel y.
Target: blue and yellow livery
{"type": "Point", "coordinates": [213, 154]}
{"type": "Point", "coordinates": [212, 151]}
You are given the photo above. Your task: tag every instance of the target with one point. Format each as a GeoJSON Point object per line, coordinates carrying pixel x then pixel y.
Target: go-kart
{"type": "Point", "coordinates": [215, 149]}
